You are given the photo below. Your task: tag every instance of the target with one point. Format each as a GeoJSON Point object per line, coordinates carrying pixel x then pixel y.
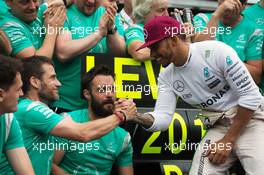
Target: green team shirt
{"type": "Point", "coordinates": [256, 13]}
{"type": "Point", "coordinates": [21, 34]}
{"type": "Point", "coordinates": [10, 133]}
{"type": "Point", "coordinates": [96, 157]}
{"type": "Point", "coordinates": [69, 73]}
{"type": "Point", "coordinates": [10, 138]}
{"type": "Point", "coordinates": [134, 33]}
{"type": "Point", "coordinates": [4, 8]}
{"type": "Point", "coordinates": [244, 38]}
{"type": "Point", "coordinates": [36, 120]}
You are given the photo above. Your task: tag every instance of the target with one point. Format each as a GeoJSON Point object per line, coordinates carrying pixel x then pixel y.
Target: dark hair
{"type": "Point", "coordinates": [9, 67]}
{"type": "Point", "coordinates": [33, 67]}
{"type": "Point", "coordinates": [97, 70]}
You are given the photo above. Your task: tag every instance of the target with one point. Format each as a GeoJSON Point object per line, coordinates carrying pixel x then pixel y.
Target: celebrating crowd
{"type": "Point", "coordinates": [55, 121]}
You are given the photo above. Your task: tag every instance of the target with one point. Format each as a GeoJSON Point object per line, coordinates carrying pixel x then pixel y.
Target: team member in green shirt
{"type": "Point", "coordinates": [90, 157]}
{"type": "Point", "coordinates": [228, 25]}
{"type": "Point", "coordinates": [39, 123]}
{"type": "Point", "coordinates": [88, 28]}
{"type": "Point", "coordinates": [143, 11]}
{"type": "Point", "coordinates": [29, 32]}
{"type": "Point", "coordinates": [256, 13]}
{"type": "Point", "coordinates": [11, 141]}
{"type": "Point", "coordinates": [4, 8]}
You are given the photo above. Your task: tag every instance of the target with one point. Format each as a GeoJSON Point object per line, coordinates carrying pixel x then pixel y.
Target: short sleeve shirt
{"type": "Point", "coordinates": [36, 121]}
{"type": "Point", "coordinates": [244, 38]}
{"type": "Point", "coordinates": [97, 156]}
{"type": "Point", "coordinates": [134, 33]}
{"type": "Point", "coordinates": [23, 35]}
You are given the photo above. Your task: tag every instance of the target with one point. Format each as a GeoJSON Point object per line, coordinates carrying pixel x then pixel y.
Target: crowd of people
{"type": "Point", "coordinates": [53, 121]}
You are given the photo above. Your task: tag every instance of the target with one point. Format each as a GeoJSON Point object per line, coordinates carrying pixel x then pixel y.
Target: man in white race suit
{"type": "Point", "coordinates": [208, 75]}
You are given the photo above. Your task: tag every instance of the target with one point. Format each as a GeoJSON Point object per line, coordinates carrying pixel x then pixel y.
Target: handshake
{"type": "Point", "coordinates": [127, 107]}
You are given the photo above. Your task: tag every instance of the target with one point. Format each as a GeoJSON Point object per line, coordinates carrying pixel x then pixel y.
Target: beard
{"type": "Point", "coordinates": [98, 108]}
{"type": "Point", "coordinates": [45, 95]}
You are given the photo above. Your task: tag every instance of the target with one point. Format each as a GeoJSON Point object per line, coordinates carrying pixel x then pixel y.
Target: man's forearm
{"type": "Point", "coordinates": [125, 170]}
{"type": "Point", "coordinates": [98, 128]}
{"type": "Point", "coordinates": [56, 170]}
{"type": "Point", "coordinates": [146, 120]}
{"type": "Point", "coordinates": [5, 45]}
{"type": "Point", "coordinates": [84, 132]}
{"type": "Point", "coordinates": [18, 157]}
{"type": "Point", "coordinates": [116, 44]}
{"type": "Point", "coordinates": [48, 45]}
{"type": "Point", "coordinates": [67, 48]}
{"type": "Point", "coordinates": [140, 55]}
{"type": "Point", "coordinates": [241, 120]}
{"type": "Point", "coordinates": [255, 72]}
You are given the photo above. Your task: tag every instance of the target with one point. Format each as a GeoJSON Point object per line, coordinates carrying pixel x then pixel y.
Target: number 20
{"type": "Point", "coordinates": [148, 149]}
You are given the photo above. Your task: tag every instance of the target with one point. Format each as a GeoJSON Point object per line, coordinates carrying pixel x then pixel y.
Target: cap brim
{"type": "Point", "coordinates": [149, 43]}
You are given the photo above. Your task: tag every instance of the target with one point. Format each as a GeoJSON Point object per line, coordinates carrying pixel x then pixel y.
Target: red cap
{"type": "Point", "coordinates": [159, 28]}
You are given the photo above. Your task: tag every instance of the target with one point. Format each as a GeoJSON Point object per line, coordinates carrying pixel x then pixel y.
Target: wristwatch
{"type": "Point", "coordinates": [112, 30]}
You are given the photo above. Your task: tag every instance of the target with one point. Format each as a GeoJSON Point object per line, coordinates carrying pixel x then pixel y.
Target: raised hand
{"type": "Point", "coordinates": [111, 11]}
{"type": "Point", "coordinates": [103, 24]}
{"type": "Point", "coordinates": [228, 7]}
{"type": "Point", "coordinates": [53, 3]}
{"type": "Point", "coordinates": [55, 17]}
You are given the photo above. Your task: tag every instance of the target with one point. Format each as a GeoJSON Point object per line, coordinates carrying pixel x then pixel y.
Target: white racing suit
{"type": "Point", "coordinates": [214, 79]}
{"type": "Point", "coordinates": [248, 148]}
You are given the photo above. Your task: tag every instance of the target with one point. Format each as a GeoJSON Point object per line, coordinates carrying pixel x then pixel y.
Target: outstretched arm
{"type": "Point", "coordinates": [19, 160]}
{"type": "Point", "coordinates": [91, 130]}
